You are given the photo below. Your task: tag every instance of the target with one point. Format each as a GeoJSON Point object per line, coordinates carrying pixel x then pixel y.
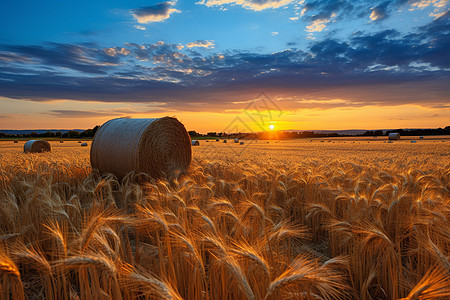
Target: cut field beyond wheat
{"type": "Point", "coordinates": [344, 219]}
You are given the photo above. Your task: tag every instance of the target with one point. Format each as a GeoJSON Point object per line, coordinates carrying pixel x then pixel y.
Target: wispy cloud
{"type": "Point", "coordinates": [201, 44]}
{"type": "Point", "coordinates": [83, 58]}
{"type": "Point", "coordinates": [421, 4]}
{"type": "Point", "coordinates": [318, 25]}
{"type": "Point", "coordinates": [154, 13]}
{"type": "Point", "coordinates": [256, 5]}
{"type": "Point", "coordinates": [65, 113]}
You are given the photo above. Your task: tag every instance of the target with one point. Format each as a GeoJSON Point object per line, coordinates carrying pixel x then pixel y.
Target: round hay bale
{"type": "Point", "coordinates": [15, 142]}
{"type": "Point", "coordinates": [241, 143]}
{"type": "Point", "coordinates": [158, 147]}
{"type": "Point", "coordinates": [61, 142]}
{"type": "Point", "coordinates": [83, 144]}
{"type": "Point", "coordinates": [195, 143]}
{"type": "Point", "coordinates": [36, 146]}
{"type": "Point", "coordinates": [236, 140]}
{"type": "Point", "coordinates": [217, 140]}
{"type": "Point", "coordinates": [421, 137]}
{"type": "Point", "coordinates": [394, 136]}
{"type": "Point", "coordinates": [224, 141]}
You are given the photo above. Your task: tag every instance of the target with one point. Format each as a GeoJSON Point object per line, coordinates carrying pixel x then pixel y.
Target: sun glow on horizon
{"type": "Point", "coordinates": [271, 126]}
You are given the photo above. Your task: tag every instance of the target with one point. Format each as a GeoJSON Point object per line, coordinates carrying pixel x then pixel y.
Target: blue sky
{"type": "Point", "coordinates": [63, 62]}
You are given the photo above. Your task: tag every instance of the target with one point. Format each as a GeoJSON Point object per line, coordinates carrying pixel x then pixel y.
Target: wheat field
{"type": "Point", "coordinates": [342, 218]}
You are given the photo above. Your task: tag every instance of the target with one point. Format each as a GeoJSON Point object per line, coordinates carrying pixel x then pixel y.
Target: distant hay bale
{"type": "Point", "coordinates": [79, 142]}
{"type": "Point", "coordinates": [36, 146]}
{"type": "Point", "coordinates": [394, 136]}
{"type": "Point", "coordinates": [421, 137]}
{"type": "Point", "coordinates": [217, 140]}
{"type": "Point", "coordinates": [15, 142]}
{"type": "Point", "coordinates": [61, 142]}
{"type": "Point", "coordinates": [412, 142]}
{"type": "Point", "coordinates": [225, 141]}
{"type": "Point", "coordinates": [84, 144]}
{"type": "Point", "coordinates": [236, 140]}
{"type": "Point", "coordinates": [195, 143]}
{"type": "Point", "coordinates": [241, 143]}
{"type": "Point", "coordinates": [158, 147]}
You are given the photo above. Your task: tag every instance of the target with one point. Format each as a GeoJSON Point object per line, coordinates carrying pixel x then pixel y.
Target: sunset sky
{"type": "Point", "coordinates": [323, 64]}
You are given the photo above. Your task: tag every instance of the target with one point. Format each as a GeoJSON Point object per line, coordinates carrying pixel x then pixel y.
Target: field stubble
{"type": "Point", "coordinates": [338, 219]}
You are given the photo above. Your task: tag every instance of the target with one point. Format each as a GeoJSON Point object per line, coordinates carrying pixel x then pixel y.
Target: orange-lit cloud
{"type": "Point", "coordinates": [248, 4]}
{"type": "Point", "coordinates": [201, 44]}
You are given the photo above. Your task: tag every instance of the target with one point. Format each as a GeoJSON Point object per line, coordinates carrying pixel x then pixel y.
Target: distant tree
{"type": "Point", "coordinates": [33, 134]}
{"type": "Point", "coordinates": [378, 132]}
{"type": "Point", "coordinates": [87, 133]}
{"type": "Point", "coordinates": [58, 134]}
{"type": "Point", "coordinates": [193, 133]}
{"type": "Point", "coordinates": [73, 134]}
{"type": "Point", "coordinates": [94, 130]}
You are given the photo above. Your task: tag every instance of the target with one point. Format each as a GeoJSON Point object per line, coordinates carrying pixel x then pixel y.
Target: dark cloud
{"type": "Point", "coordinates": [438, 35]}
{"type": "Point", "coordinates": [154, 13]}
{"type": "Point", "coordinates": [324, 9]}
{"type": "Point", "coordinates": [87, 59]}
{"type": "Point", "coordinates": [382, 68]}
{"type": "Point", "coordinates": [380, 12]}
{"type": "Point", "coordinates": [342, 9]}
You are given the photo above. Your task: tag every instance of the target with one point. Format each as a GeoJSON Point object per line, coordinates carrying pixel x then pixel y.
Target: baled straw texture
{"type": "Point", "coordinates": [394, 136]}
{"type": "Point", "coordinates": [158, 147]}
{"type": "Point", "coordinates": [195, 143]}
{"type": "Point", "coordinates": [36, 146]}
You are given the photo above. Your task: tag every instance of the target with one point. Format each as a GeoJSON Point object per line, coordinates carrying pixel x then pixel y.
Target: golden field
{"type": "Point", "coordinates": [342, 218]}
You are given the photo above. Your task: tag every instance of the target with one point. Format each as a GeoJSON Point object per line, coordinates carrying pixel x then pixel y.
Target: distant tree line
{"type": "Point", "coordinates": [410, 132]}
{"type": "Point", "coordinates": [268, 135]}
{"type": "Point", "coordinates": [72, 134]}
{"type": "Point", "coordinates": [89, 133]}
{"type": "Point", "coordinates": [310, 134]}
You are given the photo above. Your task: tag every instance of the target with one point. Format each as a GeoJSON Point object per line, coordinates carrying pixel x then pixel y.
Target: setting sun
{"type": "Point", "coordinates": [271, 127]}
